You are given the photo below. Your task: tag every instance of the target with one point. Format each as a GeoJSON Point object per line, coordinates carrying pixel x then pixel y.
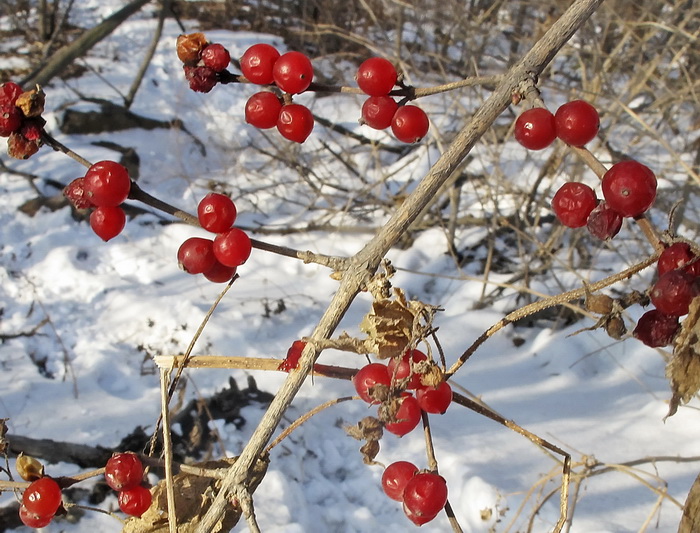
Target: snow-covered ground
{"type": "Point", "coordinates": [105, 308]}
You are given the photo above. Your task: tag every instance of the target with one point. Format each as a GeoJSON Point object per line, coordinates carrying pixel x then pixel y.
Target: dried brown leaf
{"type": "Point", "coordinates": [683, 370]}
{"type": "Point", "coordinates": [690, 522]}
{"type": "Point", "coordinates": [32, 102]}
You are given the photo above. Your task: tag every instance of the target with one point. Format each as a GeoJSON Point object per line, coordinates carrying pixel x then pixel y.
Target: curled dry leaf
{"type": "Point", "coordinates": [683, 370]}
{"type": "Point", "coordinates": [193, 497]}
{"type": "Point", "coordinates": [29, 468]}
{"type": "Point", "coordinates": [4, 444]}
{"type": "Point", "coordinates": [690, 522]}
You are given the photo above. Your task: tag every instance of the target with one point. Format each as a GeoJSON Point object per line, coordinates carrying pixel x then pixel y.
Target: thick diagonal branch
{"type": "Point", "coordinates": [364, 264]}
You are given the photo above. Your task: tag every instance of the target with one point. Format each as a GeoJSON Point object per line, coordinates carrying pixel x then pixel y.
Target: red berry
{"type": "Point", "coordinates": [220, 273]}
{"type": "Point", "coordinates": [678, 255]}
{"type": "Point", "coordinates": [378, 111]}
{"type": "Point", "coordinates": [32, 519]}
{"type": "Point", "coordinates": [107, 222]}
{"type": "Point", "coordinates": [407, 417]}
{"type": "Point", "coordinates": [629, 188]}
{"type": "Point", "coordinates": [370, 376]}
{"type": "Point", "coordinates": [216, 57]}
{"type": "Point", "coordinates": [293, 355]}
{"type": "Point", "coordinates": [135, 501]}
{"type": "Point", "coordinates": [402, 368]}
{"type": "Point", "coordinates": [395, 478]}
{"type": "Point", "coordinates": [577, 122]}
{"type": "Point", "coordinates": [42, 497]}
{"type": "Point", "coordinates": [9, 92]}
{"type": "Point", "coordinates": [409, 124]}
{"type": "Point", "coordinates": [293, 72]}
{"type": "Point", "coordinates": [572, 204]}
{"type": "Point", "coordinates": [418, 520]}
{"type": "Point", "coordinates": [201, 79]}
{"type": "Point", "coordinates": [673, 292]}
{"type": "Point", "coordinates": [262, 110]}
{"type": "Point", "coordinates": [10, 119]}
{"type": "Point", "coordinates": [425, 496]}
{"type": "Point", "coordinates": [232, 248]}
{"type": "Point", "coordinates": [196, 255]}
{"type": "Point", "coordinates": [75, 192]}
{"type": "Point", "coordinates": [534, 128]}
{"type": "Point", "coordinates": [107, 183]}
{"type": "Point", "coordinates": [435, 400]}
{"type": "Point", "coordinates": [603, 222]}
{"type": "Point", "coordinates": [123, 471]}
{"type": "Point", "coordinates": [655, 329]}
{"type": "Point", "coordinates": [216, 212]}
{"type": "Point", "coordinates": [257, 63]}
{"type": "Point", "coordinates": [376, 76]}
{"type": "Point", "coordinates": [295, 122]}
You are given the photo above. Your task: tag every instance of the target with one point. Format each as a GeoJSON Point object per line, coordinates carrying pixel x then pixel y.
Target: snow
{"type": "Point", "coordinates": [109, 307]}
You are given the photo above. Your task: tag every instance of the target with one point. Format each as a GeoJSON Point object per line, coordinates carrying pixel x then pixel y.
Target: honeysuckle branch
{"type": "Point", "coordinates": [364, 264]}
{"type": "Point", "coordinates": [58, 146]}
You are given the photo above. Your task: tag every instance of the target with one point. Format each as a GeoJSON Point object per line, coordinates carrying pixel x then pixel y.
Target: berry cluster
{"type": "Point", "coordinates": [423, 494]}
{"type": "Point", "coordinates": [629, 187]}
{"type": "Point", "coordinates": [216, 259]}
{"type": "Point", "coordinates": [376, 77]}
{"type": "Point", "coordinates": [20, 119]}
{"type": "Point", "coordinates": [124, 474]}
{"type": "Point", "coordinates": [678, 284]}
{"type": "Point", "coordinates": [203, 62]}
{"type": "Point", "coordinates": [105, 186]}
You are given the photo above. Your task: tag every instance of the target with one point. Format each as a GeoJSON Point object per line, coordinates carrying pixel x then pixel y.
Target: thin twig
{"type": "Point", "coordinates": [168, 448]}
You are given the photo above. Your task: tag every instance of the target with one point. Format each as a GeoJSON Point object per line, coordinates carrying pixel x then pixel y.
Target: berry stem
{"type": "Point", "coordinates": [429, 447]}
{"type": "Point", "coordinates": [60, 147]}
{"type": "Point", "coordinates": [137, 193]}
{"type": "Point", "coordinates": [592, 161]}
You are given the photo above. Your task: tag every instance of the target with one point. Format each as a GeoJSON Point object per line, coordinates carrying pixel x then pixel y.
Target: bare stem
{"type": "Point", "coordinates": [60, 147]}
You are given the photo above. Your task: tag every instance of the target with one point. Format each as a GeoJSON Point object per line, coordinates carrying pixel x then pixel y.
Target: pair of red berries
{"type": "Point", "coordinates": [124, 474]}
{"type": "Point", "coordinates": [219, 258]}
{"type": "Point", "coordinates": [576, 123]}
{"type": "Point", "coordinates": [376, 77]}
{"type": "Point", "coordinates": [629, 189]}
{"type": "Point", "coordinates": [292, 73]}
{"type": "Point", "coordinates": [373, 382]}
{"type": "Point", "coordinates": [105, 186]}
{"type": "Point", "coordinates": [423, 494]}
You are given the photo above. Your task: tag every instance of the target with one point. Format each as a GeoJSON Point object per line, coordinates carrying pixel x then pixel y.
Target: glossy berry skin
{"type": "Point", "coordinates": [401, 369]}
{"type": "Point", "coordinates": [216, 212]}
{"type": "Point", "coordinates": [295, 122]}
{"type": "Point", "coordinates": [629, 188]}
{"type": "Point", "coordinates": [395, 478]}
{"type": "Point", "coordinates": [9, 92]}
{"type": "Point", "coordinates": [293, 72]}
{"type": "Point", "coordinates": [196, 255]}
{"type": "Point", "coordinates": [577, 122]}
{"type": "Point", "coordinates": [107, 222]}
{"type": "Point", "coordinates": [534, 128]}
{"type": "Point", "coordinates": [407, 417]}
{"type": "Point", "coordinates": [135, 501]}
{"type": "Point", "coordinates": [262, 110]}
{"type": "Point", "coordinates": [370, 376]}
{"type": "Point", "coordinates": [75, 193]}
{"type": "Point", "coordinates": [107, 184]}
{"type": "Point", "coordinates": [378, 111]}
{"type": "Point", "coordinates": [123, 471]}
{"type": "Point", "coordinates": [678, 255]}
{"type": "Point", "coordinates": [656, 329]}
{"type": "Point", "coordinates": [573, 202]}
{"type": "Point", "coordinates": [673, 292]}
{"type": "Point", "coordinates": [376, 76]}
{"type": "Point", "coordinates": [201, 79]}
{"type": "Point", "coordinates": [10, 119]}
{"type": "Point", "coordinates": [425, 496]}
{"type": "Point", "coordinates": [232, 248]}
{"type": "Point", "coordinates": [219, 273]}
{"type": "Point", "coordinates": [603, 222]}
{"type": "Point", "coordinates": [410, 124]}
{"type": "Point", "coordinates": [34, 520]}
{"type": "Point", "coordinates": [257, 63]}
{"type": "Point", "coordinates": [42, 497]}
{"type": "Point", "coordinates": [216, 57]}
{"type": "Point", "coordinates": [435, 400]}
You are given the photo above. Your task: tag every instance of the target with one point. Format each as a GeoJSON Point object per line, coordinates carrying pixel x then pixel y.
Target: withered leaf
{"type": "Point", "coordinates": [690, 522]}
{"type": "Point", "coordinates": [683, 370]}
{"type": "Point", "coordinates": [32, 102]}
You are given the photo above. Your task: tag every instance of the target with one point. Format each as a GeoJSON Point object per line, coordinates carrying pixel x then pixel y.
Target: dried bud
{"type": "Point", "coordinates": [189, 47]}
{"type": "Point", "coordinates": [601, 304]}
{"type": "Point", "coordinates": [29, 468]}
{"type": "Point", "coordinates": [615, 327]}
{"type": "Point", "coordinates": [32, 102]}
{"type": "Point", "coordinates": [21, 148]}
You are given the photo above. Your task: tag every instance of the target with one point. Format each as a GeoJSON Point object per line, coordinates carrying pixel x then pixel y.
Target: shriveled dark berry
{"type": "Point", "coordinates": [201, 79]}
{"type": "Point", "coordinates": [604, 222]}
{"type": "Point", "coordinates": [673, 292]}
{"type": "Point", "coordinates": [656, 329]}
